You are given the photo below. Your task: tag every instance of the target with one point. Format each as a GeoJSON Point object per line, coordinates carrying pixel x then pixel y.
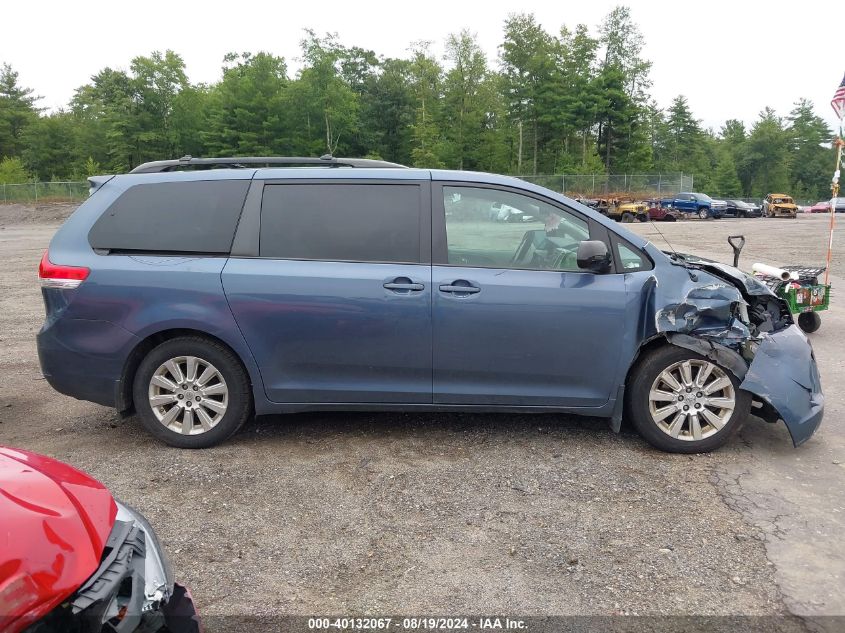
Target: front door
{"type": "Point", "coordinates": [515, 320]}
{"type": "Point", "coordinates": [337, 306]}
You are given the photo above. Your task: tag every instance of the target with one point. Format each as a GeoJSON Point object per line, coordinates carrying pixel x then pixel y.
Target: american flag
{"type": "Point", "coordinates": [838, 102]}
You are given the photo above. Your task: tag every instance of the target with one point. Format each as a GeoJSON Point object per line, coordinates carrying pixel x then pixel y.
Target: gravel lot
{"type": "Point", "coordinates": [476, 514]}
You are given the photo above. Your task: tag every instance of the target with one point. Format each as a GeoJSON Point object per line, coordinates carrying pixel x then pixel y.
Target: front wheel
{"type": "Point", "coordinates": [681, 402]}
{"type": "Point", "coordinates": [627, 217]}
{"type": "Point", "coordinates": [809, 321]}
{"type": "Point", "coordinates": [191, 392]}
{"type": "Point", "coordinates": [703, 214]}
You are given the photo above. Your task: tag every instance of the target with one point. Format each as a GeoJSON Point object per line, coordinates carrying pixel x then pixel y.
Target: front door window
{"type": "Point", "coordinates": [491, 228]}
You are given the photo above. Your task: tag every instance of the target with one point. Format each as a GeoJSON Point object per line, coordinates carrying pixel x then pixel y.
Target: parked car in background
{"type": "Point", "coordinates": [659, 212]}
{"type": "Point", "coordinates": [741, 209]}
{"type": "Point", "coordinates": [699, 204]}
{"type": "Point", "coordinates": [839, 203]}
{"type": "Point", "coordinates": [720, 204]}
{"type": "Point", "coordinates": [822, 206]}
{"type": "Point", "coordinates": [74, 559]}
{"type": "Point", "coordinates": [628, 211]}
{"type": "Point", "coordinates": [506, 213]}
{"type": "Point", "coordinates": [779, 205]}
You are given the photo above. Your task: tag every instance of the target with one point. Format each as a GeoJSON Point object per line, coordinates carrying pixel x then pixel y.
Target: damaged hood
{"type": "Point", "coordinates": [749, 283]}
{"type": "Point", "coordinates": [54, 523]}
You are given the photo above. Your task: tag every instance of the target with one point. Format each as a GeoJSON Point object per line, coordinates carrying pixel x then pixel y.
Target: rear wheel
{"type": "Point", "coordinates": [809, 321]}
{"type": "Point", "coordinates": [682, 402]}
{"type": "Point", "coordinates": [191, 392]}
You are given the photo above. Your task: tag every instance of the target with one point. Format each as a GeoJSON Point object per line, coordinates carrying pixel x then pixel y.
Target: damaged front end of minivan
{"type": "Point", "coordinates": [737, 322]}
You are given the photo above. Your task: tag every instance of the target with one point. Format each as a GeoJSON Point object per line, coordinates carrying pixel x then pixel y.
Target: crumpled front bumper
{"type": "Point", "coordinates": [784, 376]}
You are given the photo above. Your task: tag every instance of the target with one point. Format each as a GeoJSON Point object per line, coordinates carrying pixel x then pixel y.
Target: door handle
{"type": "Point", "coordinates": [396, 286]}
{"type": "Point", "coordinates": [457, 289]}
{"type": "Point", "coordinates": [403, 285]}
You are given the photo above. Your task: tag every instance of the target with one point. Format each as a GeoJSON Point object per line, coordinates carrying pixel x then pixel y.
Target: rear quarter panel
{"type": "Point", "coordinates": [146, 294]}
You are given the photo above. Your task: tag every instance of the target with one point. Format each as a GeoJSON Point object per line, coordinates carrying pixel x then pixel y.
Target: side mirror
{"type": "Point", "coordinates": [593, 255]}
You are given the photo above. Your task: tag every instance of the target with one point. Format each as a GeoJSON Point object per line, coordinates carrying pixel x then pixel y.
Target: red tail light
{"type": "Point", "coordinates": [53, 276]}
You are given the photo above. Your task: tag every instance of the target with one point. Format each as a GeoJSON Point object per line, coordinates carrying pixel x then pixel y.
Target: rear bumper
{"type": "Point", "coordinates": [784, 375]}
{"type": "Point", "coordinates": [84, 358]}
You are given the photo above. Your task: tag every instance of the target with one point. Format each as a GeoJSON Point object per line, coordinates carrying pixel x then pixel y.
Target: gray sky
{"type": "Point", "coordinates": [710, 51]}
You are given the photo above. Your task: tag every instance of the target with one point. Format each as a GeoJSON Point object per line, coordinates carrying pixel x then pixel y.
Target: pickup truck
{"type": "Point", "coordinates": [699, 204]}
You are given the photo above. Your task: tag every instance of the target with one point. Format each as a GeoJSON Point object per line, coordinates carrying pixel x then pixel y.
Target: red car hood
{"type": "Point", "coordinates": [54, 522]}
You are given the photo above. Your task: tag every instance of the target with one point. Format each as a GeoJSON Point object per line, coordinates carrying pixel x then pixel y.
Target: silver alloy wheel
{"type": "Point", "coordinates": [188, 395]}
{"type": "Point", "coordinates": [691, 400]}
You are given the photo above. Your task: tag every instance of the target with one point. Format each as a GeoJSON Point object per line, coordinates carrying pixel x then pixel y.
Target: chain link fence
{"type": "Point", "coordinates": [600, 185]}
{"type": "Point", "coordinates": [35, 192]}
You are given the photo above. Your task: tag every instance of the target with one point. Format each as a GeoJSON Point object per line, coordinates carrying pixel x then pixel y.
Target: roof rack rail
{"type": "Point", "coordinates": [235, 162]}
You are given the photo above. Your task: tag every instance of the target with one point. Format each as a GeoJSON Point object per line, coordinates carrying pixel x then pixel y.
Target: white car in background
{"type": "Point", "coordinates": [501, 212]}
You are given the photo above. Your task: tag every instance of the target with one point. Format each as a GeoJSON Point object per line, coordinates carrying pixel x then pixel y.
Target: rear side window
{"type": "Point", "coordinates": [340, 222]}
{"type": "Point", "coordinates": [172, 217]}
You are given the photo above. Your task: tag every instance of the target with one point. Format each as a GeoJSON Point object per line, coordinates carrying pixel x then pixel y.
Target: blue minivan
{"type": "Point", "coordinates": [199, 292]}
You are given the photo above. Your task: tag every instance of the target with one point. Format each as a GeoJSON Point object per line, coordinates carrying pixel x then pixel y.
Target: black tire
{"type": "Point", "coordinates": [809, 321]}
{"type": "Point", "coordinates": [239, 395]}
{"type": "Point", "coordinates": [670, 218]}
{"type": "Point", "coordinates": [627, 217]}
{"type": "Point", "coordinates": [644, 375]}
{"type": "Point", "coordinates": [703, 213]}
{"type": "Point", "coordinates": [741, 214]}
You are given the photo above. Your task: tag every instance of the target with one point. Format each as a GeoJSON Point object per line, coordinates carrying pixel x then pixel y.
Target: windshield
{"type": "Point", "coordinates": [703, 196]}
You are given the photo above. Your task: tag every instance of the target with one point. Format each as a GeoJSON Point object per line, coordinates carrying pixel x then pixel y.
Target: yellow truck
{"type": "Point", "coordinates": [779, 205]}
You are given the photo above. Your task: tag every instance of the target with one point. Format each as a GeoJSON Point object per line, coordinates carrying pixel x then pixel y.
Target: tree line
{"type": "Point", "coordinates": [571, 101]}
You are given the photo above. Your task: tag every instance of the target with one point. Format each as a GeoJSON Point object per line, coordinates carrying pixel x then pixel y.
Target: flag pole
{"type": "Point", "coordinates": [834, 187]}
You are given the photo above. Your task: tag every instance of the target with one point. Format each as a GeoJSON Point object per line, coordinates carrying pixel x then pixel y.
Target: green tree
{"type": "Point", "coordinates": [246, 110]}
{"type": "Point", "coordinates": [767, 153]}
{"type": "Point", "coordinates": [50, 146]}
{"type": "Point", "coordinates": [387, 111]}
{"type": "Point", "coordinates": [623, 44]}
{"type": "Point", "coordinates": [329, 105]}
{"type": "Point", "coordinates": [811, 162]}
{"type": "Point", "coordinates": [725, 181]}
{"type": "Point", "coordinates": [156, 83]}
{"type": "Point", "coordinates": [680, 143]}
{"type": "Point", "coordinates": [464, 100]}
{"type": "Point", "coordinates": [623, 82]}
{"type": "Point", "coordinates": [622, 141]}
{"type": "Point", "coordinates": [103, 111]}
{"type": "Point", "coordinates": [12, 171]}
{"type": "Point", "coordinates": [734, 139]}
{"type": "Point", "coordinates": [426, 80]}
{"type": "Point", "coordinates": [580, 97]}
{"type": "Point", "coordinates": [527, 64]}
{"type": "Point", "coordinates": [17, 111]}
